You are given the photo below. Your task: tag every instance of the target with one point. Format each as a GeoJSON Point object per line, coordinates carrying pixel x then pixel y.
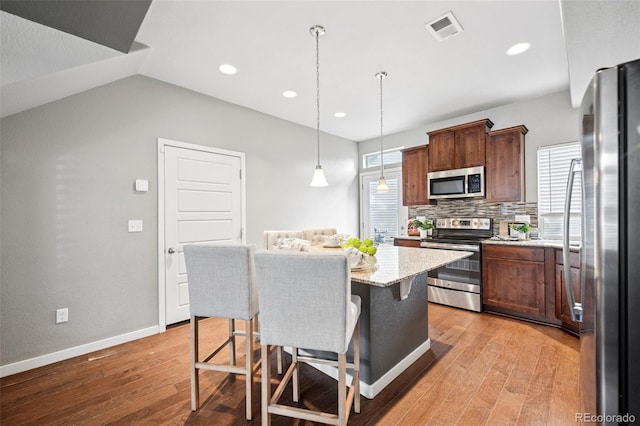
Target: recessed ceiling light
{"type": "Point", "coordinates": [289, 94]}
{"type": "Point", "coordinates": [228, 69]}
{"type": "Point", "coordinates": [340, 114]}
{"type": "Point", "coordinates": [519, 48]}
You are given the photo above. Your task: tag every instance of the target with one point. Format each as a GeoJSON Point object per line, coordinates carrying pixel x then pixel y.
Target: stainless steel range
{"type": "Point", "coordinates": [459, 283]}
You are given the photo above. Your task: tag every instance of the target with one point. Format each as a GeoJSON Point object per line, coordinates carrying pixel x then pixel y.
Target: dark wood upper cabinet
{"type": "Point", "coordinates": [459, 146]}
{"type": "Point", "coordinates": [415, 163]}
{"type": "Point", "coordinates": [442, 150]}
{"type": "Point", "coordinates": [504, 171]}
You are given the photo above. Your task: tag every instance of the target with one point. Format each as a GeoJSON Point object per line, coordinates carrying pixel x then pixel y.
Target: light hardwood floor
{"type": "Point", "coordinates": [481, 370]}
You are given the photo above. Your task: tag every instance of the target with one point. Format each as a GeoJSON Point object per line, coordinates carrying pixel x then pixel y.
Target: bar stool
{"type": "Point", "coordinates": [306, 303]}
{"type": "Point", "coordinates": [222, 284]}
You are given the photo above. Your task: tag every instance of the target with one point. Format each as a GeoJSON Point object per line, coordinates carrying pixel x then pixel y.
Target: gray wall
{"type": "Point", "coordinates": [67, 176]}
{"type": "Point", "coordinates": [550, 120]}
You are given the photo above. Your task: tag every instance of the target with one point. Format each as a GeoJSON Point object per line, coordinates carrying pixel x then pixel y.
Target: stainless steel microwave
{"type": "Point", "coordinates": [456, 183]}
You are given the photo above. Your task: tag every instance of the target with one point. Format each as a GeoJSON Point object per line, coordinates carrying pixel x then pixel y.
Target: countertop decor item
{"type": "Point", "coordinates": [411, 228]}
{"type": "Point", "coordinates": [382, 183]}
{"type": "Point", "coordinates": [425, 226]}
{"type": "Point", "coordinates": [318, 175]}
{"type": "Point", "coordinates": [521, 230]}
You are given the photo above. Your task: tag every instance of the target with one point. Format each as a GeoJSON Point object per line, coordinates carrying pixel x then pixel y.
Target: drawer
{"type": "Point", "coordinates": [406, 242]}
{"type": "Point", "coordinates": [574, 258]}
{"type": "Point", "coordinates": [513, 253]}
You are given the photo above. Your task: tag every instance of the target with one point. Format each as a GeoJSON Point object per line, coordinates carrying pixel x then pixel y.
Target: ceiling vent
{"type": "Point", "coordinates": [444, 27]}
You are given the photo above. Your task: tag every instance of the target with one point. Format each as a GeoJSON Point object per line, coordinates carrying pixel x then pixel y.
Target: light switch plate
{"type": "Point", "coordinates": [142, 185]}
{"type": "Point", "coordinates": [135, 225]}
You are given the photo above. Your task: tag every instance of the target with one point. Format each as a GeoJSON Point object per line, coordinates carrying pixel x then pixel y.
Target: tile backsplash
{"type": "Point", "coordinates": [477, 208]}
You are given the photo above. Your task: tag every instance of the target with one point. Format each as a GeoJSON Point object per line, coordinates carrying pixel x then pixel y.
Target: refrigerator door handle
{"type": "Point", "coordinates": [574, 307]}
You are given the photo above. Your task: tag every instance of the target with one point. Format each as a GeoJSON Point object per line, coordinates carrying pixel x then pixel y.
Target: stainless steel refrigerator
{"type": "Point", "coordinates": [608, 301]}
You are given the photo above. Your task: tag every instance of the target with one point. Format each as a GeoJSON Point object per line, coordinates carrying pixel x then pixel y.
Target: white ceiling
{"type": "Point", "coordinates": [183, 42]}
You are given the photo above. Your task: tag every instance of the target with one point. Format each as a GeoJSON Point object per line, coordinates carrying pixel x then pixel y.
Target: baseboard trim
{"type": "Point", "coordinates": [39, 361]}
{"type": "Point", "coordinates": [367, 390]}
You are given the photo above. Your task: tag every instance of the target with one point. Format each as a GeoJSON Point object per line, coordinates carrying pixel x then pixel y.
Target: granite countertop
{"type": "Point", "coordinates": [533, 243]}
{"type": "Point", "coordinates": [495, 240]}
{"type": "Point", "coordinates": [394, 264]}
{"type": "Point", "coordinates": [408, 237]}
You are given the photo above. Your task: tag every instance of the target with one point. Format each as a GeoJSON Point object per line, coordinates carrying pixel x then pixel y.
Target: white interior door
{"type": "Point", "coordinates": [203, 204]}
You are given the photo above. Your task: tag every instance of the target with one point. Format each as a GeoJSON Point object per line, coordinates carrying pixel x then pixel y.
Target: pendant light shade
{"type": "Point", "coordinates": [318, 174]}
{"type": "Point", "coordinates": [318, 177]}
{"type": "Point", "coordinates": [382, 182]}
{"type": "Point", "coordinates": [382, 185]}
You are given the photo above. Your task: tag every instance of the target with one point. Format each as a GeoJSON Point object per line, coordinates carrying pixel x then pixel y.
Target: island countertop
{"type": "Point", "coordinates": [394, 264]}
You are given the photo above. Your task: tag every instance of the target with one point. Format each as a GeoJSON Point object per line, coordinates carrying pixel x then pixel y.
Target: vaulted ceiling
{"type": "Point", "coordinates": [183, 42]}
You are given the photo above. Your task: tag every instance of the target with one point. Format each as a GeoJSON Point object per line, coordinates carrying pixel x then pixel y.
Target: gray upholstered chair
{"type": "Point", "coordinates": [306, 303]}
{"type": "Point", "coordinates": [222, 284]}
{"type": "Point", "coordinates": [316, 236]}
{"type": "Point", "coordinates": [273, 238]}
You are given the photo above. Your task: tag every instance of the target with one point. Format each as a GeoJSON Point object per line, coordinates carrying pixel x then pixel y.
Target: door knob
{"type": "Point", "coordinates": [171, 250]}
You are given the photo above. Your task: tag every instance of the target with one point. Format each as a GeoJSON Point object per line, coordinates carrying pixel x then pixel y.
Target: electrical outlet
{"type": "Point", "coordinates": [62, 315]}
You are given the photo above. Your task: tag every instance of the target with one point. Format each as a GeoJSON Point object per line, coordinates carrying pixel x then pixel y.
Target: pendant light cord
{"type": "Point", "coordinates": [381, 151]}
{"type": "Point", "coordinates": [318, 94]}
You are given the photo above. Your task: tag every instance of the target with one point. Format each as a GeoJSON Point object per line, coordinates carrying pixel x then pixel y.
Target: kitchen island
{"type": "Point", "coordinates": [394, 330]}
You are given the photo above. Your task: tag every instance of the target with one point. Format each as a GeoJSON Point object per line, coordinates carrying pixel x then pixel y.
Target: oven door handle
{"type": "Point", "coordinates": [446, 246]}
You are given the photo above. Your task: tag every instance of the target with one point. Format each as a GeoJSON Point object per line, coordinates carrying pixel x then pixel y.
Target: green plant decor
{"type": "Point", "coordinates": [423, 225]}
{"type": "Point", "coordinates": [524, 227]}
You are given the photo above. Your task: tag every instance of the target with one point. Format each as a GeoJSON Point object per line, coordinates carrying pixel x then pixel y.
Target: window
{"type": "Point", "coordinates": [391, 156]}
{"type": "Point", "coordinates": [382, 214]}
{"type": "Point", "coordinates": [553, 171]}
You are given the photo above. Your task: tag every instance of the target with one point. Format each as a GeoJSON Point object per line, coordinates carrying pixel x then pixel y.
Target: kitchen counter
{"type": "Point", "coordinates": [408, 237]}
{"type": "Point", "coordinates": [533, 243]}
{"type": "Point", "coordinates": [395, 264]}
{"type": "Point", "coordinates": [394, 328]}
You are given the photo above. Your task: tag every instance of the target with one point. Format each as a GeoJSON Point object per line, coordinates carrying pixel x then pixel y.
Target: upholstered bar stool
{"type": "Point", "coordinates": [222, 284]}
{"type": "Point", "coordinates": [273, 238]}
{"type": "Point", "coordinates": [306, 303]}
{"type": "Point", "coordinates": [316, 236]}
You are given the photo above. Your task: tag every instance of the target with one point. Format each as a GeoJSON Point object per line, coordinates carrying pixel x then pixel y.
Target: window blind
{"type": "Point", "coordinates": [383, 209]}
{"type": "Point", "coordinates": [553, 171]}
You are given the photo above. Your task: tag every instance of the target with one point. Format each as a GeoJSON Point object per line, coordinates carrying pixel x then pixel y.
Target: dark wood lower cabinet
{"type": "Point", "coordinates": [406, 242]}
{"type": "Point", "coordinates": [562, 305]}
{"type": "Point", "coordinates": [514, 284]}
{"type": "Point", "coordinates": [519, 282]}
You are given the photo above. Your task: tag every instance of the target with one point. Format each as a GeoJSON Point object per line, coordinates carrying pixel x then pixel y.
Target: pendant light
{"type": "Point", "coordinates": [318, 175]}
{"type": "Point", "coordinates": [382, 183]}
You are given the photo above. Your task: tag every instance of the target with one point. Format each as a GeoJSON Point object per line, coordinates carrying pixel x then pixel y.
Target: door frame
{"type": "Point", "coordinates": [162, 143]}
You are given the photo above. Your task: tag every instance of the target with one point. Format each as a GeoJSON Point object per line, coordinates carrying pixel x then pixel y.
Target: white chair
{"type": "Point", "coordinates": [222, 284]}
{"type": "Point", "coordinates": [316, 236]}
{"type": "Point", "coordinates": [274, 238]}
{"type": "Point", "coordinates": [306, 303]}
